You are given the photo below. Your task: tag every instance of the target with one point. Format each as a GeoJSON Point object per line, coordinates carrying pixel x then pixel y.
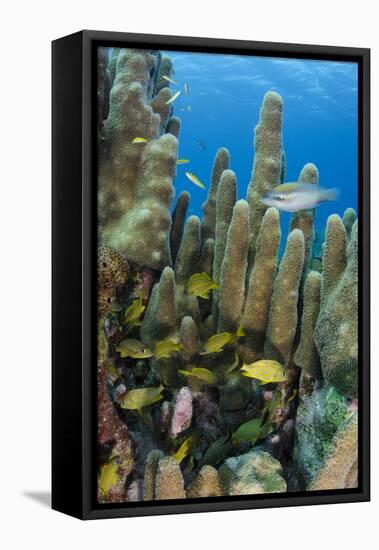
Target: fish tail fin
{"type": "Point", "coordinates": [332, 194]}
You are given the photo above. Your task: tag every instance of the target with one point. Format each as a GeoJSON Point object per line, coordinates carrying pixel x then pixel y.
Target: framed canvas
{"type": "Point", "coordinates": [210, 282]}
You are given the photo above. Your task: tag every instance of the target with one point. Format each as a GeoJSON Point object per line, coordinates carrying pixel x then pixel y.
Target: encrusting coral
{"type": "Point", "coordinates": [200, 427]}
{"type": "Point", "coordinates": [252, 473]}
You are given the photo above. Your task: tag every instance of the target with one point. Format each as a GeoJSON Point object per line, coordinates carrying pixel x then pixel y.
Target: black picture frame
{"type": "Point", "coordinates": [74, 274]}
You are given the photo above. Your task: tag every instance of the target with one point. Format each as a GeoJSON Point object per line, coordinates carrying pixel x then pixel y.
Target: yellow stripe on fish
{"type": "Point", "coordinates": [195, 180]}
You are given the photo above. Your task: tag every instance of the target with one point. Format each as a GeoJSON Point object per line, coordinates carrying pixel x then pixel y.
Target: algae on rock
{"type": "Point", "coordinates": [319, 417]}
{"type": "Point", "coordinates": [340, 470]}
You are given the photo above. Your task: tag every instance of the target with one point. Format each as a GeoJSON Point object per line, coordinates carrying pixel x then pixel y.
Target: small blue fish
{"type": "Point", "coordinates": [292, 197]}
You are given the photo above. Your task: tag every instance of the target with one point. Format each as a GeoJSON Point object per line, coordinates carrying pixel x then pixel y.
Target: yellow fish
{"type": "Point", "coordinates": [165, 348]}
{"type": "Point", "coordinates": [142, 397]}
{"type": "Point", "coordinates": [205, 375]}
{"type": "Point", "coordinates": [216, 343]}
{"type": "Point", "coordinates": [109, 475]}
{"type": "Point", "coordinates": [186, 448]}
{"type": "Point", "coordinates": [133, 348]}
{"type": "Point", "coordinates": [195, 180]}
{"type": "Point", "coordinates": [139, 140]}
{"type": "Point", "coordinates": [133, 312]}
{"type": "Point", "coordinates": [182, 161]}
{"type": "Point", "coordinates": [173, 97]}
{"type": "Point", "coordinates": [265, 370]}
{"type": "Point", "coordinates": [200, 284]}
{"type": "Point", "coordinates": [169, 80]}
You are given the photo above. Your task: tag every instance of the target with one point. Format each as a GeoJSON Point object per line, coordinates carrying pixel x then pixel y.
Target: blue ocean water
{"type": "Point", "coordinates": [320, 120]}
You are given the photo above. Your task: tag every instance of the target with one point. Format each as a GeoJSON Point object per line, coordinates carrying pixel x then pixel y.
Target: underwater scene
{"type": "Point", "coordinates": [227, 339]}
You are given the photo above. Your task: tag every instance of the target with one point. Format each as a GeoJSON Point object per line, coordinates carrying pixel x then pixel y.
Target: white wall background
{"type": "Point", "coordinates": [27, 29]}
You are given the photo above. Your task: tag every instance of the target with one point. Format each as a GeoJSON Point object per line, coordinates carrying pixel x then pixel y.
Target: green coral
{"type": "Point", "coordinates": [318, 419]}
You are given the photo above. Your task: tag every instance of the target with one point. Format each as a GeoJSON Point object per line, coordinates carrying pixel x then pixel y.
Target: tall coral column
{"type": "Point", "coordinates": [135, 179]}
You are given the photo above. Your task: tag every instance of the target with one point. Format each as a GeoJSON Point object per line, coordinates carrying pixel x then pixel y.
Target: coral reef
{"type": "Point", "coordinates": [177, 415]}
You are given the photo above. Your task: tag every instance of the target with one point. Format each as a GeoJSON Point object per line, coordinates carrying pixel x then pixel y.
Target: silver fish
{"type": "Point", "coordinates": [292, 197]}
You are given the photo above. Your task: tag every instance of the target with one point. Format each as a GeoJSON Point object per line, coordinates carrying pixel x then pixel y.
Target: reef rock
{"type": "Point", "coordinates": [182, 413]}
